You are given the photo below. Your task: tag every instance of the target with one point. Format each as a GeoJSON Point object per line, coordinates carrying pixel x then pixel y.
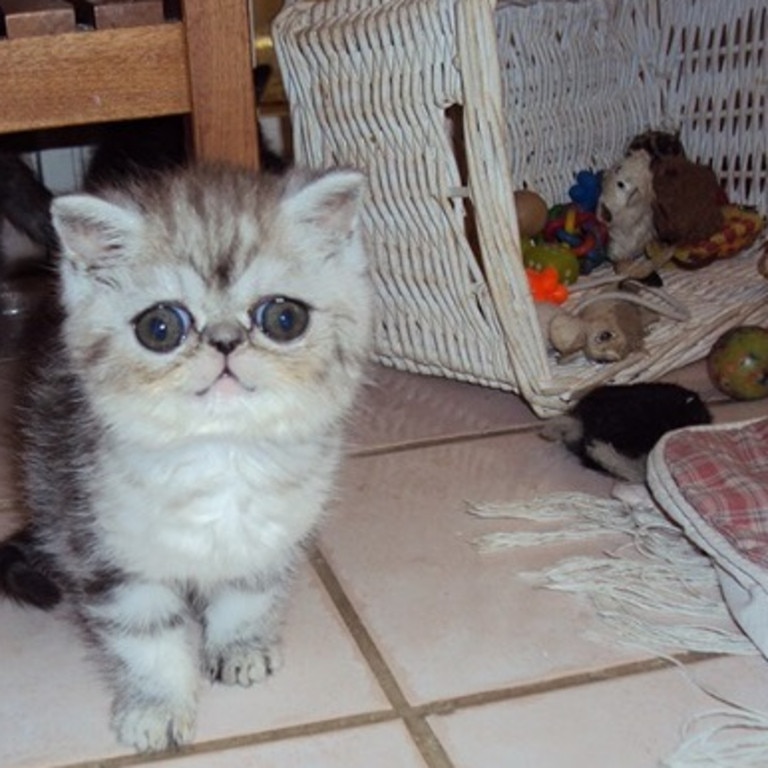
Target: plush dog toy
{"type": "Point", "coordinates": [626, 207]}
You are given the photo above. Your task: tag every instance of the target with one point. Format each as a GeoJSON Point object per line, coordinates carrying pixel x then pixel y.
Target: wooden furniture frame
{"type": "Point", "coordinates": [200, 66]}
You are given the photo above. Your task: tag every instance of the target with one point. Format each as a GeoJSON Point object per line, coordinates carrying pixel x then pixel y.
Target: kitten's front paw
{"type": "Point", "coordinates": [154, 727]}
{"type": "Point", "coordinates": [244, 666]}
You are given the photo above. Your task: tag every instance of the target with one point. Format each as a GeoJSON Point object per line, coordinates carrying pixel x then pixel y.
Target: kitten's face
{"type": "Point", "coordinates": [217, 301]}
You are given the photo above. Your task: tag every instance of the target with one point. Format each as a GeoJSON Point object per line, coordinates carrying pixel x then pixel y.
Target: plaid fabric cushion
{"type": "Point", "coordinates": [713, 481]}
{"type": "Point", "coordinates": [723, 475]}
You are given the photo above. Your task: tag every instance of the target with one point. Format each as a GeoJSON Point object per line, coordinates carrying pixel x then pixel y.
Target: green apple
{"type": "Point", "coordinates": [738, 362]}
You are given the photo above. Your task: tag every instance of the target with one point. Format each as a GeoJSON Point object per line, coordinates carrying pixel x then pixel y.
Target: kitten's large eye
{"type": "Point", "coordinates": [281, 319]}
{"type": "Point", "coordinates": [162, 327]}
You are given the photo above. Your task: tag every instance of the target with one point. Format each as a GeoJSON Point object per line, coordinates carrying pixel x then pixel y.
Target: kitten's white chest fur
{"type": "Point", "coordinates": [210, 511]}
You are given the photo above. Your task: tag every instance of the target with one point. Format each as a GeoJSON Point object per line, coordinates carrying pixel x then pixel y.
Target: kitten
{"type": "Point", "coordinates": [182, 435]}
{"type": "Point", "coordinates": [24, 203]}
{"type": "Point", "coordinates": [614, 428]}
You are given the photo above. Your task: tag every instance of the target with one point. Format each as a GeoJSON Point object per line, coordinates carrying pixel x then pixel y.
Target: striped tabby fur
{"type": "Point", "coordinates": [183, 430]}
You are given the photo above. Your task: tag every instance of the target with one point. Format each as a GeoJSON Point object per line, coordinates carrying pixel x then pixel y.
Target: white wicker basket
{"type": "Point", "coordinates": [450, 105]}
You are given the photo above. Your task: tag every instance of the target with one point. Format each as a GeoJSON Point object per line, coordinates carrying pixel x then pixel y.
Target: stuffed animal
{"type": "Point", "coordinates": [626, 207]}
{"type": "Point", "coordinates": [741, 227]}
{"type": "Point", "coordinates": [585, 193]}
{"type": "Point", "coordinates": [688, 200]}
{"type": "Point", "coordinates": [605, 330]}
{"type": "Point", "coordinates": [658, 144]}
{"type": "Point", "coordinates": [614, 428]}
{"type": "Point", "coordinates": [612, 324]}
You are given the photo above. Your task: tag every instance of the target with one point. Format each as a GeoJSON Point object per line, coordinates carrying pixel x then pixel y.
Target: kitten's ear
{"type": "Point", "coordinates": [330, 203]}
{"type": "Point", "coordinates": [92, 231]}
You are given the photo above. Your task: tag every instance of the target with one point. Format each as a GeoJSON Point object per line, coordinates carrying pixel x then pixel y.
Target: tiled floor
{"type": "Point", "coordinates": [405, 647]}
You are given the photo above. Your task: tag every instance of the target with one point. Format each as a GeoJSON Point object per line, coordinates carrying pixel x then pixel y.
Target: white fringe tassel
{"type": "Point", "coordinates": [723, 738]}
{"type": "Point", "coordinates": [660, 594]}
{"type": "Point", "coordinates": [586, 516]}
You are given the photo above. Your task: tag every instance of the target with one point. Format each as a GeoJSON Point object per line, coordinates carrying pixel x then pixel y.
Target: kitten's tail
{"type": "Point", "coordinates": [21, 578]}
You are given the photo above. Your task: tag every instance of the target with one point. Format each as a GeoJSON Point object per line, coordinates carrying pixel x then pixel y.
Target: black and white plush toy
{"type": "Point", "coordinates": [613, 428]}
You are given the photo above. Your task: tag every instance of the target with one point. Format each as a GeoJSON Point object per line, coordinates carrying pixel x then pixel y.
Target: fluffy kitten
{"type": "Point", "coordinates": [613, 428]}
{"type": "Point", "coordinates": [183, 433]}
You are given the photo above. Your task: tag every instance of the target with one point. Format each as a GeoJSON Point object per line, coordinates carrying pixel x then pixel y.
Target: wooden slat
{"type": "Point", "coordinates": [112, 14]}
{"type": "Point", "coordinates": [221, 76]}
{"type": "Point", "coordinates": [32, 18]}
{"type": "Point", "coordinates": [92, 77]}
{"type": "Point", "coordinates": [201, 67]}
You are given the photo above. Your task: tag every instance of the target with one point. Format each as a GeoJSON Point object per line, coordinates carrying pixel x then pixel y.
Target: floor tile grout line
{"type": "Point", "coordinates": [359, 633]}
{"type": "Point", "coordinates": [417, 726]}
{"type": "Point", "coordinates": [433, 442]}
{"type": "Point", "coordinates": [453, 704]}
{"type": "Point", "coordinates": [415, 716]}
{"type": "Point", "coordinates": [240, 741]}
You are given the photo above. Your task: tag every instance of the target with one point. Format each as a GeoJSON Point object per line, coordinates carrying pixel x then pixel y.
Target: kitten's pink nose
{"type": "Point", "coordinates": [224, 337]}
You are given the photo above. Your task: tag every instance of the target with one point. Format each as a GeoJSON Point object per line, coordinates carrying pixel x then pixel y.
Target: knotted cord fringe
{"type": "Point", "coordinates": [736, 738]}
{"type": "Point", "coordinates": [658, 593]}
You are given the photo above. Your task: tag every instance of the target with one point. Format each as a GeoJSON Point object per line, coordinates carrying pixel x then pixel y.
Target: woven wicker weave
{"type": "Point", "coordinates": [450, 105]}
